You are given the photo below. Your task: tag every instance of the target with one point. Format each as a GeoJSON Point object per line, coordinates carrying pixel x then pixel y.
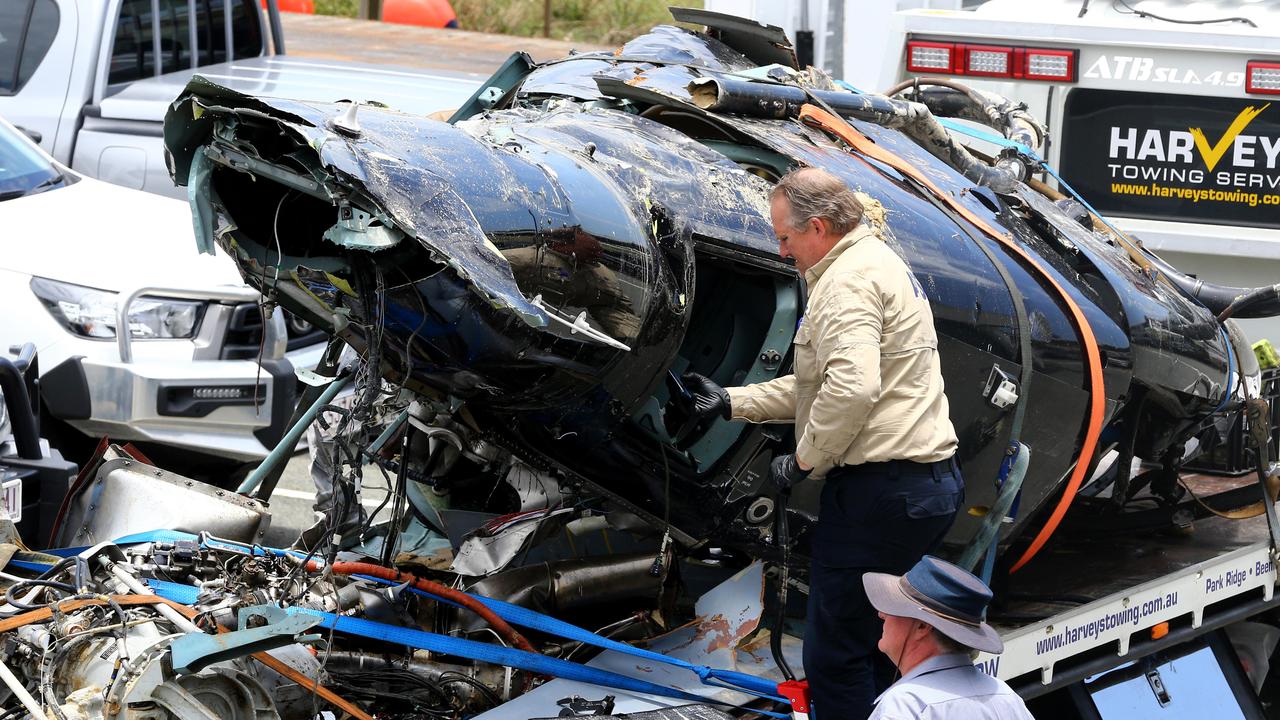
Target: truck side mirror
{"type": "Point", "coordinates": [35, 135]}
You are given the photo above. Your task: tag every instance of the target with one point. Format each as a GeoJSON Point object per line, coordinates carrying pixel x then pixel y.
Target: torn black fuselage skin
{"type": "Point", "coordinates": [648, 218]}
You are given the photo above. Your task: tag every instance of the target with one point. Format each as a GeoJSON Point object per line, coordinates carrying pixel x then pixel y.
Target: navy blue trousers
{"type": "Point", "coordinates": [878, 517]}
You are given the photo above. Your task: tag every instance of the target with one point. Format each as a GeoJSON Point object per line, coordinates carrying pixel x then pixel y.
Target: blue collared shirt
{"type": "Point", "coordinates": [949, 686]}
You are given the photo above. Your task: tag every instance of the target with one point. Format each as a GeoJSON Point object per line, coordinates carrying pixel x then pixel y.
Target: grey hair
{"type": "Point", "coordinates": [814, 193]}
{"type": "Point", "coordinates": [947, 646]}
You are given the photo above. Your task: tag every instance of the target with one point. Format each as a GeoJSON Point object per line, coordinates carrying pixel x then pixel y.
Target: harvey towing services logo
{"type": "Point", "coordinates": [1197, 156]}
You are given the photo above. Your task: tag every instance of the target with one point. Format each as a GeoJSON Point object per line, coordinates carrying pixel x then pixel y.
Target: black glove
{"type": "Point", "coordinates": [708, 398]}
{"type": "Point", "coordinates": [785, 472]}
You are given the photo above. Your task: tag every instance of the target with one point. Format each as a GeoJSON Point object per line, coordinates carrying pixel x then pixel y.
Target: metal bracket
{"type": "Point", "coordinates": [262, 627]}
{"type": "Point", "coordinates": [1158, 688]}
{"type": "Point", "coordinates": [577, 706]}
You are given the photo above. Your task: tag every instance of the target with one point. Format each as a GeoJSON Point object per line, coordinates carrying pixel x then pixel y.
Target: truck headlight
{"type": "Point", "coordinates": [92, 313]}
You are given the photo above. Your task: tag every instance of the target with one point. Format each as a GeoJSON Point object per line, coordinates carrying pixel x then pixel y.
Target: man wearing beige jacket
{"type": "Point", "coordinates": [871, 418]}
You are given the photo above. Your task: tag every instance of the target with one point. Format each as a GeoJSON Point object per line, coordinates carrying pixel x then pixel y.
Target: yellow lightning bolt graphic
{"type": "Point", "coordinates": [1213, 154]}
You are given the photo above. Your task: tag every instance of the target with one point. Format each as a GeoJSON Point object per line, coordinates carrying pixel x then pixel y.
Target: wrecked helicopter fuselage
{"type": "Point", "coordinates": [550, 263]}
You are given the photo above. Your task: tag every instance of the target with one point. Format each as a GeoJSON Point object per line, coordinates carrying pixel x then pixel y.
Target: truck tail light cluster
{"type": "Point", "coordinates": [1022, 63]}
{"type": "Point", "coordinates": [1262, 78]}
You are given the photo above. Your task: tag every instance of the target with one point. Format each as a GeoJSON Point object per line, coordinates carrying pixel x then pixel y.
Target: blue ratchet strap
{"type": "Point", "coordinates": [534, 620]}
{"type": "Point", "coordinates": [461, 647]}
{"type": "Point", "coordinates": [989, 561]}
{"type": "Point", "coordinates": [498, 655]}
{"type": "Point", "coordinates": [152, 536]}
{"type": "Point", "coordinates": [515, 614]}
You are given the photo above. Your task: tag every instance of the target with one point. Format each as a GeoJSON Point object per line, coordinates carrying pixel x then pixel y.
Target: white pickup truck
{"type": "Point", "coordinates": [90, 81]}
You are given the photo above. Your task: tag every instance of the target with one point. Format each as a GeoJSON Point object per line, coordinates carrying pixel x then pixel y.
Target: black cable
{"type": "Point", "coordinates": [392, 537]}
{"type": "Point", "coordinates": [1153, 16]}
{"type": "Point", "coordinates": [408, 347]}
{"type": "Point", "coordinates": [13, 589]}
{"type": "Point", "coordinates": [385, 498]}
{"type": "Point", "coordinates": [451, 676]}
{"type": "Point", "coordinates": [58, 567]}
{"type": "Point", "coordinates": [359, 682]}
{"type": "Point", "coordinates": [781, 537]}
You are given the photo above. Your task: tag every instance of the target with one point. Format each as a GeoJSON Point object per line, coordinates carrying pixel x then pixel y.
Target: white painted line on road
{"type": "Point", "coordinates": [310, 496]}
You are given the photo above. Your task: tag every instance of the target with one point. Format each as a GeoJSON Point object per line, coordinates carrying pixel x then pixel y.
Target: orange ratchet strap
{"type": "Point", "coordinates": [823, 120]}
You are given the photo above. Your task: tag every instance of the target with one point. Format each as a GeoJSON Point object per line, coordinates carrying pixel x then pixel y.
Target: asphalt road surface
{"type": "Point", "coordinates": [291, 502]}
{"type": "Point", "coordinates": [453, 51]}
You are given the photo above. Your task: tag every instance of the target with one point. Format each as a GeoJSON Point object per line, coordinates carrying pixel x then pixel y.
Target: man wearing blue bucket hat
{"type": "Point", "coordinates": [934, 617]}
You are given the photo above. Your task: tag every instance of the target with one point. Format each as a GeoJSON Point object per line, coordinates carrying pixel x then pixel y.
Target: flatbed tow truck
{"type": "Point", "coordinates": [1159, 600]}
{"type": "Point", "coordinates": [1103, 624]}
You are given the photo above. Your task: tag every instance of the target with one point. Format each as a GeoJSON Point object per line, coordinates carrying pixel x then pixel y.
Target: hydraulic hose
{"type": "Point", "coordinates": [836, 126]}
{"type": "Point", "coordinates": [504, 630]}
{"type": "Point", "coordinates": [948, 98]}
{"type": "Point", "coordinates": [1263, 296]}
{"type": "Point", "coordinates": [732, 95]}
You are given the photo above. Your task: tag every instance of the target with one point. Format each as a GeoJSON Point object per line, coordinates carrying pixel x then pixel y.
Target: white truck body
{"type": "Point", "coordinates": [1124, 132]}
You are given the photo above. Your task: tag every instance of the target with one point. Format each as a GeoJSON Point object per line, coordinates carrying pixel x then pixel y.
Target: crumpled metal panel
{"type": "Point", "coordinates": [421, 190]}
{"type": "Point", "coordinates": [764, 44]}
{"type": "Point", "coordinates": [128, 497]}
{"type": "Point", "coordinates": [664, 44]}
{"type": "Point", "coordinates": [698, 190]}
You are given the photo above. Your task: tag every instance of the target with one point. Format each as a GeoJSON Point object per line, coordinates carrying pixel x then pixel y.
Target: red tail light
{"type": "Point", "coordinates": [931, 57]}
{"type": "Point", "coordinates": [1023, 63]}
{"type": "Point", "coordinates": [988, 60]}
{"type": "Point", "coordinates": [1262, 78]}
{"type": "Point", "coordinates": [1054, 65]}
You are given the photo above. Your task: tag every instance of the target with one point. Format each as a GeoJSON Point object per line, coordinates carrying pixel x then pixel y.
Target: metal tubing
{"type": "Point", "coordinates": [179, 620]}
{"type": "Point", "coordinates": [29, 702]}
{"type": "Point", "coordinates": [285, 447]}
{"type": "Point", "coordinates": [1220, 298]}
{"type": "Point", "coordinates": [156, 37]}
{"type": "Point", "coordinates": [193, 35]}
{"type": "Point", "coordinates": [770, 100]}
{"type": "Point", "coordinates": [228, 31]}
{"type": "Point", "coordinates": [744, 97]}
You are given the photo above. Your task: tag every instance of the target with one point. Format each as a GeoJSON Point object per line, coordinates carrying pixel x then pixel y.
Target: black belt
{"type": "Point", "coordinates": [899, 468]}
